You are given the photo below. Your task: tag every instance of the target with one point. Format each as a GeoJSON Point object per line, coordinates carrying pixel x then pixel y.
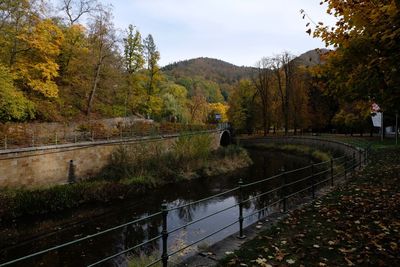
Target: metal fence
{"type": "Point", "coordinates": [319, 174]}
{"type": "Point", "coordinates": [27, 138]}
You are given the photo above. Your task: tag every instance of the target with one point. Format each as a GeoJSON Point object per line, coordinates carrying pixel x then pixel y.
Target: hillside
{"type": "Point", "coordinates": [312, 57]}
{"type": "Point", "coordinates": [208, 68]}
{"type": "Point", "coordinates": [221, 75]}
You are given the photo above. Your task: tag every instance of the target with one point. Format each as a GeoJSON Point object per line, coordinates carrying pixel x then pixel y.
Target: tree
{"type": "Point", "coordinates": [353, 116]}
{"type": "Point", "coordinates": [322, 105]}
{"type": "Point", "coordinates": [75, 9]}
{"type": "Point", "coordinates": [284, 68]}
{"type": "Point", "coordinates": [133, 50]}
{"type": "Point", "coordinates": [152, 57]}
{"type": "Point", "coordinates": [174, 102]}
{"type": "Point", "coordinates": [220, 109]}
{"type": "Point", "coordinates": [133, 60]}
{"type": "Point", "coordinates": [365, 62]}
{"type": "Point", "coordinates": [38, 68]}
{"type": "Point", "coordinates": [263, 84]}
{"type": "Point", "coordinates": [14, 106]}
{"type": "Point", "coordinates": [299, 100]}
{"type": "Point", "coordinates": [197, 106]}
{"type": "Point", "coordinates": [102, 40]}
{"type": "Point", "coordinates": [241, 112]}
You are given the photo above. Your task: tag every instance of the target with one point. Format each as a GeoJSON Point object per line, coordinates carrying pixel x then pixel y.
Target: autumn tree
{"type": "Point", "coordinates": [242, 109]}
{"type": "Point", "coordinates": [102, 40]}
{"type": "Point", "coordinates": [220, 109]}
{"type": "Point", "coordinates": [284, 68]}
{"type": "Point", "coordinates": [152, 57]}
{"type": "Point", "coordinates": [197, 106]}
{"type": "Point", "coordinates": [365, 63]}
{"type": "Point", "coordinates": [175, 103]}
{"type": "Point", "coordinates": [133, 62]}
{"type": "Point", "coordinates": [14, 106]}
{"type": "Point", "coordinates": [75, 9]}
{"type": "Point", "coordinates": [353, 117]}
{"type": "Point", "coordinates": [263, 82]}
{"type": "Point", "coordinates": [299, 100]}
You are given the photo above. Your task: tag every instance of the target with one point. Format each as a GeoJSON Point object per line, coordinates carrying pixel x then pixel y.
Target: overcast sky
{"type": "Point", "coordinates": [237, 31]}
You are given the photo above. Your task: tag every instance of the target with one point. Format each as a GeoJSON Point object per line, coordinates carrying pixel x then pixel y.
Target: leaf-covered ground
{"type": "Point", "coordinates": [358, 224]}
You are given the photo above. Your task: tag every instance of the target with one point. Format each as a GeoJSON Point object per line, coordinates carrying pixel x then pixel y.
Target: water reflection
{"type": "Point", "coordinates": [266, 164]}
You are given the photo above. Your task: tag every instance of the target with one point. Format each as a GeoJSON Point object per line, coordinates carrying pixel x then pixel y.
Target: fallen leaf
{"type": "Point", "coordinates": [290, 261]}
{"type": "Point", "coordinates": [349, 262]}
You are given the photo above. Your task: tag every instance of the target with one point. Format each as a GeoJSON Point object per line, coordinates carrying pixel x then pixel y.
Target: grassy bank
{"type": "Point", "coordinates": [315, 154]}
{"type": "Point", "coordinates": [355, 225]}
{"type": "Point", "coordinates": [133, 171]}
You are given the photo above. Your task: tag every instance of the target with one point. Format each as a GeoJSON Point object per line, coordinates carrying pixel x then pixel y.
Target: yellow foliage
{"type": "Point", "coordinates": [39, 68]}
{"type": "Point", "coordinates": [218, 108]}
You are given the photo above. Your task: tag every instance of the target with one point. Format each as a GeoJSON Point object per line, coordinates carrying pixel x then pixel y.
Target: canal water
{"type": "Point", "coordinates": [28, 239]}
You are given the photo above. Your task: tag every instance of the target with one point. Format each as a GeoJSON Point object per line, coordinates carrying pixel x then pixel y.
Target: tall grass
{"type": "Point", "coordinates": [157, 161]}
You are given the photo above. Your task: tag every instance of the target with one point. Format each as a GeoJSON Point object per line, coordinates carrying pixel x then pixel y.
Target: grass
{"type": "Point", "coordinates": [358, 224]}
{"type": "Point", "coordinates": [363, 142]}
{"type": "Point", "coordinates": [316, 154]}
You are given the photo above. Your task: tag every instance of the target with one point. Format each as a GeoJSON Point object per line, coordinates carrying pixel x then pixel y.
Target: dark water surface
{"type": "Point", "coordinates": [266, 163]}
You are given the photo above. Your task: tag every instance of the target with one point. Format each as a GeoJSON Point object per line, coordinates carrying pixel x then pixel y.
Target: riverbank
{"type": "Point", "coordinates": [313, 153]}
{"type": "Point", "coordinates": [355, 225]}
{"type": "Point", "coordinates": [130, 174]}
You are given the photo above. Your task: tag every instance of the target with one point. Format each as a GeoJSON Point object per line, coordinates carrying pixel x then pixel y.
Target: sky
{"type": "Point", "coordinates": [237, 31]}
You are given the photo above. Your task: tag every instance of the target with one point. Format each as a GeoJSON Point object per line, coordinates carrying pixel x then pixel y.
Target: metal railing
{"type": "Point", "coordinates": [319, 173]}
{"type": "Point", "coordinates": [28, 139]}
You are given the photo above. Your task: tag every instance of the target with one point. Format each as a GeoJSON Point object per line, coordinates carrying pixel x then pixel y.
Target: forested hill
{"type": "Point", "coordinates": [311, 58]}
{"type": "Point", "coordinates": [208, 68]}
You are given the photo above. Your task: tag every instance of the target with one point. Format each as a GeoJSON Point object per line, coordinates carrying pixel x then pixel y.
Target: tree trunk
{"type": "Point", "coordinates": [265, 124]}
{"type": "Point", "coordinates": [94, 88]}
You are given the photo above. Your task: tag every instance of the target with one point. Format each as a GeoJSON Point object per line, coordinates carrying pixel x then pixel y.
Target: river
{"type": "Point", "coordinates": [29, 236]}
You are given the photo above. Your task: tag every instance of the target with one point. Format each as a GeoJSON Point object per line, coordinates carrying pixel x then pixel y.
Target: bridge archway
{"type": "Point", "coordinates": [225, 138]}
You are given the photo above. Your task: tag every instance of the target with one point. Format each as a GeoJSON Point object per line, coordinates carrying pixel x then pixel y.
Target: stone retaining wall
{"type": "Point", "coordinates": [46, 166]}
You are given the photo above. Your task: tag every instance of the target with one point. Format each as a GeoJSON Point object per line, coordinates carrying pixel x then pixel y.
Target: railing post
{"type": "Point", "coordinates": [284, 193]}
{"type": "Point", "coordinates": [312, 181]}
{"type": "Point", "coordinates": [56, 139]}
{"type": "Point", "coordinates": [33, 140]}
{"type": "Point", "coordinates": [164, 234]}
{"type": "Point", "coordinates": [359, 161]}
{"type": "Point", "coordinates": [345, 167]}
{"type": "Point", "coordinates": [331, 172]}
{"type": "Point", "coordinates": [241, 235]}
{"type": "Point", "coordinates": [353, 167]}
{"type": "Point", "coordinates": [5, 142]}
